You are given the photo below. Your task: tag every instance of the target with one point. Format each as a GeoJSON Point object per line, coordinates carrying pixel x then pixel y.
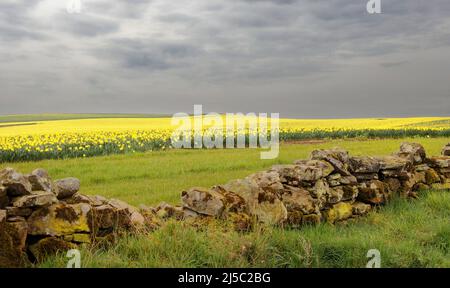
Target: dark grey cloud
{"type": "Point", "coordinates": [303, 58]}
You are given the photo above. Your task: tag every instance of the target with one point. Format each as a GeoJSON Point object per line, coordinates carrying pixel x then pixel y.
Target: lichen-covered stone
{"type": "Point", "coordinates": [431, 177]}
{"type": "Point", "coordinates": [204, 201]}
{"type": "Point", "coordinates": [311, 219]}
{"type": "Point", "coordinates": [373, 192]}
{"type": "Point", "coordinates": [337, 157]}
{"type": "Point", "coordinates": [338, 212]}
{"type": "Point", "coordinates": [261, 202]}
{"type": "Point", "coordinates": [16, 211]}
{"type": "Point", "coordinates": [412, 151]}
{"type": "Point", "coordinates": [35, 199]}
{"type": "Point", "coordinates": [364, 165]}
{"type": "Point", "coordinates": [298, 199]}
{"type": "Point", "coordinates": [59, 220]}
{"type": "Point", "coordinates": [50, 246]}
{"type": "Point", "coordinates": [13, 237]}
{"type": "Point", "coordinates": [360, 209]}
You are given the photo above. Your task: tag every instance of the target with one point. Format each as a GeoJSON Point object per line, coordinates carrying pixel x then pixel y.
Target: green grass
{"type": "Point", "coordinates": [407, 233]}
{"type": "Point", "coordinates": [61, 116]}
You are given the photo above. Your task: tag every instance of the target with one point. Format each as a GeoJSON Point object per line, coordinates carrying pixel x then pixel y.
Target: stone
{"type": "Point", "coordinates": [36, 199]}
{"type": "Point", "coordinates": [413, 151]}
{"type": "Point", "coordinates": [311, 219]}
{"type": "Point", "coordinates": [16, 211]}
{"type": "Point", "coordinates": [13, 237]}
{"type": "Point", "coordinates": [78, 238]}
{"type": "Point", "coordinates": [128, 216]}
{"type": "Point", "coordinates": [103, 217]}
{"type": "Point", "coordinates": [446, 150]}
{"type": "Point", "coordinates": [50, 246]}
{"type": "Point", "coordinates": [204, 201]}
{"type": "Point", "coordinates": [366, 176]}
{"type": "Point", "coordinates": [324, 167]}
{"type": "Point", "coordinates": [233, 202]}
{"type": "Point", "coordinates": [15, 183]}
{"type": "Point", "coordinates": [4, 199]}
{"type": "Point", "coordinates": [166, 211]}
{"type": "Point", "coordinates": [338, 158]}
{"type": "Point", "coordinates": [242, 222]}
{"type": "Point", "coordinates": [360, 209]}
{"type": "Point", "coordinates": [394, 185]}
{"type": "Point", "coordinates": [67, 187]}
{"type": "Point", "coordinates": [269, 182]}
{"type": "Point", "coordinates": [373, 192]}
{"type": "Point", "coordinates": [264, 204]}
{"type": "Point", "coordinates": [296, 174]}
{"type": "Point", "coordinates": [40, 180]}
{"type": "Point", "coordinates": [338, 212]}
{"type": "Point", "coordinates": [431, 177]}
{"type": "Point", "coordinates": [350, 192]}
{"type": "Point", "coordinates": [298, 199]}
{"type": "Point", "coordinates": [394, 163]}
{"type": "Point", "coordinates": [439, 162]}
{"type": "Point", "coordinates": [364, 165]}
{"type": "Point", "coordinates": [335, 195]}
{"type": "Point", "coordinates": [59, 219]}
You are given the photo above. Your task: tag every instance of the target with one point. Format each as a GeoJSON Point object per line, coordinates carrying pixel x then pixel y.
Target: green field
{"type": "Point", "coordinates": [408, 233]}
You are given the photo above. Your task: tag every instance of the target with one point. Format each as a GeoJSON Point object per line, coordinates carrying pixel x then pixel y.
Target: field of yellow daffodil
{"type": "Point", "coordinates": [35, 140]}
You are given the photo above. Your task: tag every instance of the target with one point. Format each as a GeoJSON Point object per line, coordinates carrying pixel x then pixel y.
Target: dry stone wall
{"type": "Point", "coordinates": [39, 216]}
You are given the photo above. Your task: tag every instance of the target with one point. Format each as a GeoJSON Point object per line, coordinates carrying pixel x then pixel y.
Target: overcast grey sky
{"type": "Point", "coordinates": [302, 58]}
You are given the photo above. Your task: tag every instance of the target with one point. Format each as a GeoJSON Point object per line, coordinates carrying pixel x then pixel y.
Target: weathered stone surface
{"type": "Point", "coordinates": [15, 183]}
{"type": "Point", "coordinates": [446, 150]}
{"type": "Point", "coordinates": [350, 192]}
{"type": "Point", "coordinates": [431, 177]}
{"type": "Point", "coordinates": [12, 242]}
{"type": "Point", "coordinates": [337, 157]}
{"type": "Point", "coordinates": [262, 203]}
{"type": "Point", "coordinates": [361, 177]}
{"type": "Point", "coordinates": [394, 163]}
{"type": "Point", "coordinates": [67, 187]}
{"type": "Point", "coordinates": [4, 199]}
{"type": "Point", "coordinates": [311, 219]}
{"type": "Point", "coordinates": [165, 211]}
{"type": "Point", "coordinates": [204, 201]}
{"type": "Point", "coordinates": [359, 208]}
{"type": "Point", "coordinates": [36, 199]}
{"type": "Point", "coordinates": [233, 202]}
{"type": "Point", "coordinates": [324, 167]}
{"type": "Point", "coordinates": [364, 165]}
{"type": "Point", "coordinates": [128, 216]}
{"type": "Point", "coordinates": [269, 182]}
{"type": "Point", "coordinates": [394, 185]}
{"type": "Point", "coordinates": [295, 174]}
{"type": "Point", "coordinates": [335, 195]}
{"type": "Point", "coordinates": [59, 220]}
{"type": "Point", "coordinates": [50, 246]}
{"type": "Point", "coordinates": [439, 162]}
{"type": "Point", "coordinates": [413, 151]}
{"type": "Point", "coordinates": [338, 212]}
{"type": "Point", "coordinates": [103, 217]}
{"type": "Point", "coordinates": [242, 222]}
{"type": "Point", "coordinates": [373, 192]}
{"type": "Point", "coordinates": [16, 211]}
{"type": "Point", "coordinates": [40, 180]}
{"type": "Point", "coordinates": [298, 199]}
{"type": "Point", "coordinates": [78, 238]}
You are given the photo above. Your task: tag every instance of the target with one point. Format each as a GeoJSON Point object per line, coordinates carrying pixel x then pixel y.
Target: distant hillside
{"type": "Point", "coordinates": [50, 117]}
